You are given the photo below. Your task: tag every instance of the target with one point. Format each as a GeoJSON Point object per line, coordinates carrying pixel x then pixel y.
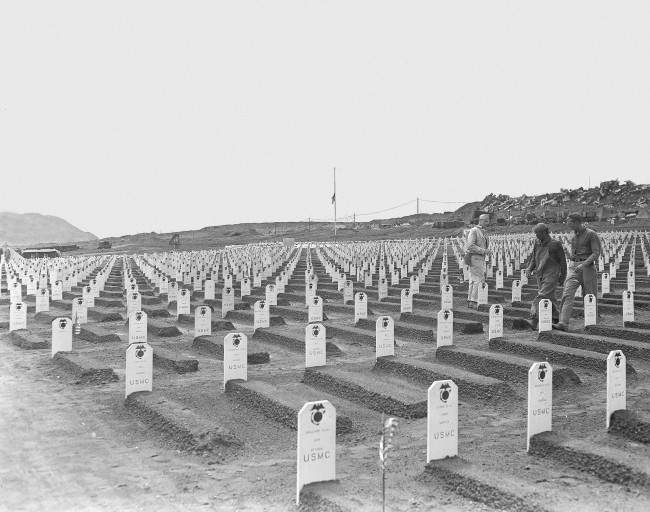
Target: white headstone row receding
{"type": "Point", "coordinates": [316, 449]}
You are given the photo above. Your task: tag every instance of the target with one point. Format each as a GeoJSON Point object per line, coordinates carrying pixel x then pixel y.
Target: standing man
{"type": "Point", "coordinates": [585, 249]}
{"type": "Point", "coordinates": [475, 250]}
{"type": "Point", "coordinates": [548, 262]}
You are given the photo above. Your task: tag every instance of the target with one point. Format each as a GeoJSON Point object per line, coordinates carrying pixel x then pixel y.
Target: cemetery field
{"type": "Point", "coordinates": [71, 441]}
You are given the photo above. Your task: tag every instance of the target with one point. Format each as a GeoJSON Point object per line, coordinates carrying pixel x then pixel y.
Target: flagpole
{"type": "Point", "coordinates": [335, 203]}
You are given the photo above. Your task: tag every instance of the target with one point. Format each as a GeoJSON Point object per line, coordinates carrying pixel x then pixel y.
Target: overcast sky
{"type": "Point", "coordinates": [130, 116]}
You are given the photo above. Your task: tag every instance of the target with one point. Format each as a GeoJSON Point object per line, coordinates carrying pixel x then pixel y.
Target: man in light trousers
{"type": "Point", "coordinates": [585, 249]}
{"type": "Point", "coordinates": [476, 247]}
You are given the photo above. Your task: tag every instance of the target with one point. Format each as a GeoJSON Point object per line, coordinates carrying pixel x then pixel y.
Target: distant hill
{"type": "Point", "coordinates": [610, 199]}
{"type": "Point", "coordinates": [20, 229]}
{"type": "Point", "coordinates": [626, 204]}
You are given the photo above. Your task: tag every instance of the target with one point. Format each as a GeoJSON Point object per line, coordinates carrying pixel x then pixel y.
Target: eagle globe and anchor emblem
{"type": "Point", "coordinates": [541, 372]}
{"type": "Point", "coordinates": [445, 391]}
{"type": "Point", "coordinates": [317, 413]}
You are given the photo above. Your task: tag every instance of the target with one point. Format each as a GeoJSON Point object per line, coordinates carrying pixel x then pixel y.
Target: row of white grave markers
{"type": "Point", "coordinates": [590, 310]}
{"type": "Point", "coordinates": [316, 439]}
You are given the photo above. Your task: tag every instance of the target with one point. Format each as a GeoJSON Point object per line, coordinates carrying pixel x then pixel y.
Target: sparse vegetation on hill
{"type": "Point", "coordinates": [20, 229]}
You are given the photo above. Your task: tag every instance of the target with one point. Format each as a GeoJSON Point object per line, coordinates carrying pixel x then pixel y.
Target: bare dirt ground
{"type": "Point", "coordinates": [66, 445]}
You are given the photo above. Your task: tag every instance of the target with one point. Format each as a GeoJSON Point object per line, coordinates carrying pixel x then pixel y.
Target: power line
{"type": "Point", "coordinates": [388, 209]}
{"type": "Point", "coordinates": [446, 202]}
{"type": "Point", "coordinates": [354, 216]}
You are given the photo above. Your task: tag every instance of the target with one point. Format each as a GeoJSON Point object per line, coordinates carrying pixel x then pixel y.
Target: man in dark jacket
{"type": "Point", "coordinates": [548, 263]}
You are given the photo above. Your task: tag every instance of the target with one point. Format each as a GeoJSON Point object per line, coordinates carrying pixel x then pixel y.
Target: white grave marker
{"type": "Point", "coordinates": [616, 383]}
{"type": "Point", "coordinates": [315, 345]}
{"type": "Point", "coordinates": [310, 293]}
{"type": "Point", "coordinates": [499, 279]}
{"type": "Point", "coordinates": [360, 306]}
{"type": "Point", "coordinates": [227, 301]}
{"type": "Point", "coordinates": [163, 287]}
{"type": "Point", "coordinates": [16, 292]}
{"type": "Point", "coordinates": [442, 420]}
{"type": "Point", "coordinates": [183, 302]}
{"type": "Point", "coordinates": [57, 290]}
{"type": "Point", "coordinates": [384, 337]}
{"type": "Point", "coordinates": [235, 357]}
{"type": "Point", "coordinates": [246, 287]}
{"type": "Point", "coordinates": [495, 329]}
{"type": "Point", "coordinates": [137, 327]}
{"type": "Point", "coordinates": [524, 277]}
{"type": "Point", "coordinates": [483, 293]}
{"type": "Point", "coordinates": [605, 288]}
{"type": "Point", "coordinates": [415, 284]}
{"type": "Point", "coordinates": [447, 299]}
{"type": "Point", "coordinates": [133, 302]}
{"type": "Point", "coordinates": [17, 316]}
{"type": "Point", "coordinates": [406, 302]}
{"type": "Point", "coordinates": [590, 312]}
{"type": "Point", "coordinates": [139, 368]}
{"type": "Point", "coordinates": [516, 291]}
{"type": "Point", "coordinates": [61, 335]}
{"type": "Point", "coordinates": [88, 296]}
{"type": "Point", "coordinates": [202, 321]}
{"type": "Point", "coordinates": [348, 291]}
{"type": "Point", "coordinates": [540, 400]}
{"type": "Point", "coordinates": [209, 290]}
{"type": "Point", "coordinates": [271, 295]}
{"type": "Point", "coordinates": [315, 310]}
{"type": "Point", "coordinates": [42, 300]}
{"type": "Point", "coordinates": [382, 288]}
{"type": "Point", "coordinates": [628, 306]}
{"type": "Point", "coordinates": [316, 451]}
{"type": "Point", "coordinates": [545, 315]}
{"type": "Point", "coordinates": [261, 315]}
{"type": "Point", "coordinates": [172, 292]}
{"type": "Point", "coordinates": [79, 311]}
{"type": "Point", "coordinates": [445, 328]}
